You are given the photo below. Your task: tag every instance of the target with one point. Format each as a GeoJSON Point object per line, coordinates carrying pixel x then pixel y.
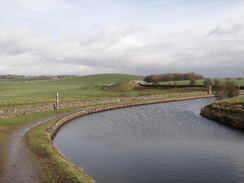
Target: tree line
{"type": "Point", "coordinates": [220, 90]}
{"type": "Point", "coordinates": [31, 78]}
{"type": "Point", "coordinates": [155, 78]}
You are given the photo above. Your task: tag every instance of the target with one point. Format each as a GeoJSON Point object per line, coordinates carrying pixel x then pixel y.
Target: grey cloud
{"type": "Point", "coordinates": [118, 49]}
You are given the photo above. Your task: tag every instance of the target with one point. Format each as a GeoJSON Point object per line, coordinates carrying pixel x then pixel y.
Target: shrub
{"type": "Point", "coordinates": [207, 82]}
{"type": "Point", "coordinates": [193, 82]}
{"type": "Point", "coordinates": [224, 90]}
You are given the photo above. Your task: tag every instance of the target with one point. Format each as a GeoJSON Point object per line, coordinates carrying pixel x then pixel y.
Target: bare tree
{"type": "Point", "coordinates": [193, 82]}
{"type": "Point", "coordinates": [207, 84]}
{"type": "Point", "coordinates": [224, 90]}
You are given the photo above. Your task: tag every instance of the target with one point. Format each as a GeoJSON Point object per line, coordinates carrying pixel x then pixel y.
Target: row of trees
{"type": "Point", "coordinates": [155, 78]}
{"type": "Point", "coordinates": [220, 90]}
{"type": "Point", "coordinates": [30, 78]}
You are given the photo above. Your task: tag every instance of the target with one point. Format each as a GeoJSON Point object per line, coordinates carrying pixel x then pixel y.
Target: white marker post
{"type": "Point", "coordinates": [57, 101]}
{"type": "Point", "coordinates": [210, 89]}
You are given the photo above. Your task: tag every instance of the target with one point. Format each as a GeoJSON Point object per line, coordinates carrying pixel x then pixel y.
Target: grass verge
{"type": "Point", "coordinates": [52, 165]}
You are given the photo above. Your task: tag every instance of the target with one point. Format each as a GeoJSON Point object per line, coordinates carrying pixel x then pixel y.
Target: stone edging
{"type": "Point", "coordinates": [53, 129]}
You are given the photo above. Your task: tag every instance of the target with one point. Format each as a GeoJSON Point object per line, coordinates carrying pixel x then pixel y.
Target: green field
{"type": "Point", "coordinates": [26, 93]}
{"type": "Point", "coordinates": [14, 94]}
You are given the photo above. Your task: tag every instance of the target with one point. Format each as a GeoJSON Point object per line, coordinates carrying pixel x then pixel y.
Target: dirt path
{"type": "Point", "coordinates": [20, 168]}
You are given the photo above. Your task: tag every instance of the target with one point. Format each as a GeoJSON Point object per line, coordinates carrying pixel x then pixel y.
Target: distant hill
{"type": "Point", "coordinates": [98, 79]}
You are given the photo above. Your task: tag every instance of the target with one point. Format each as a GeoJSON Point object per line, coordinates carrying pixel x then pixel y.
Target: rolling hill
{"type": "Point", "coordinates": [97, 79]}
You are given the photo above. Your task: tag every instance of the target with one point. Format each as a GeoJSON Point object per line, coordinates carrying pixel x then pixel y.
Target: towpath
{"type": "Point", "coordinates": [20, 167]}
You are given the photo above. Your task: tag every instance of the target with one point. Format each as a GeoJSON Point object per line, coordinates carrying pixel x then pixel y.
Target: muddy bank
{"type": "Point", "coordinates": [230, 115]}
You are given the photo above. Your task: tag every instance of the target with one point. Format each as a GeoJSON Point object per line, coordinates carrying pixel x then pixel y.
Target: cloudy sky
{"type": "Point", "coordinates": [52, 37]}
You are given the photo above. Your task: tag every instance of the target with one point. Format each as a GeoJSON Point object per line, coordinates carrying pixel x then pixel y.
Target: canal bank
{"type": "Point", "coordinates": [50, 165]}
{"type": "Point", "coordinates": [229, 112]}
{"type": "Point", "coordinates": [52, 130]}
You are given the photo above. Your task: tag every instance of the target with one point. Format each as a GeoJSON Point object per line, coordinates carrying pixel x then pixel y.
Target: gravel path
{"type": "Point", "coordinates": [20, 168]}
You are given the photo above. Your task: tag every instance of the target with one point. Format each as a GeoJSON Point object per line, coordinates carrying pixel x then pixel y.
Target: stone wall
{"type": "Point", "coordinates": [39, 108]}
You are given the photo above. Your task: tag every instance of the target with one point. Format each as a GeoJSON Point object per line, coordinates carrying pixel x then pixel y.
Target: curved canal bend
{"type": "Point", "coordinates": [166, 142]}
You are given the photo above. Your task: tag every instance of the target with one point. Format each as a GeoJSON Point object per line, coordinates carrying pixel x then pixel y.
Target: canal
{"type": "Point", "coordinates": [166, 142]}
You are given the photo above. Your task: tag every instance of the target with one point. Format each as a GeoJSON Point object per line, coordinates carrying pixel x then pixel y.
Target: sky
{"type": "Point", "coordinates": [142, 37]}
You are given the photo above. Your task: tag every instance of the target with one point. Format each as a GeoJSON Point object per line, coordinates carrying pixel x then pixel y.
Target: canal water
{"type": "Point", "coordinates": [167, 142]}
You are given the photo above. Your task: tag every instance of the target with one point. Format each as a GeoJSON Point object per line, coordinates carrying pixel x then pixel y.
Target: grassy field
{"type": "Point", "coordinates": [27, 93]}
{"type": "Point", "coordinates": [15, 94]}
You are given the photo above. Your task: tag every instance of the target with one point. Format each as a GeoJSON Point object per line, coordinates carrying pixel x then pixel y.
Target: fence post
{"type": "Point", "coordinates": [209, 89]}
{"type": "Point", "coordinates": [57, 101]}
